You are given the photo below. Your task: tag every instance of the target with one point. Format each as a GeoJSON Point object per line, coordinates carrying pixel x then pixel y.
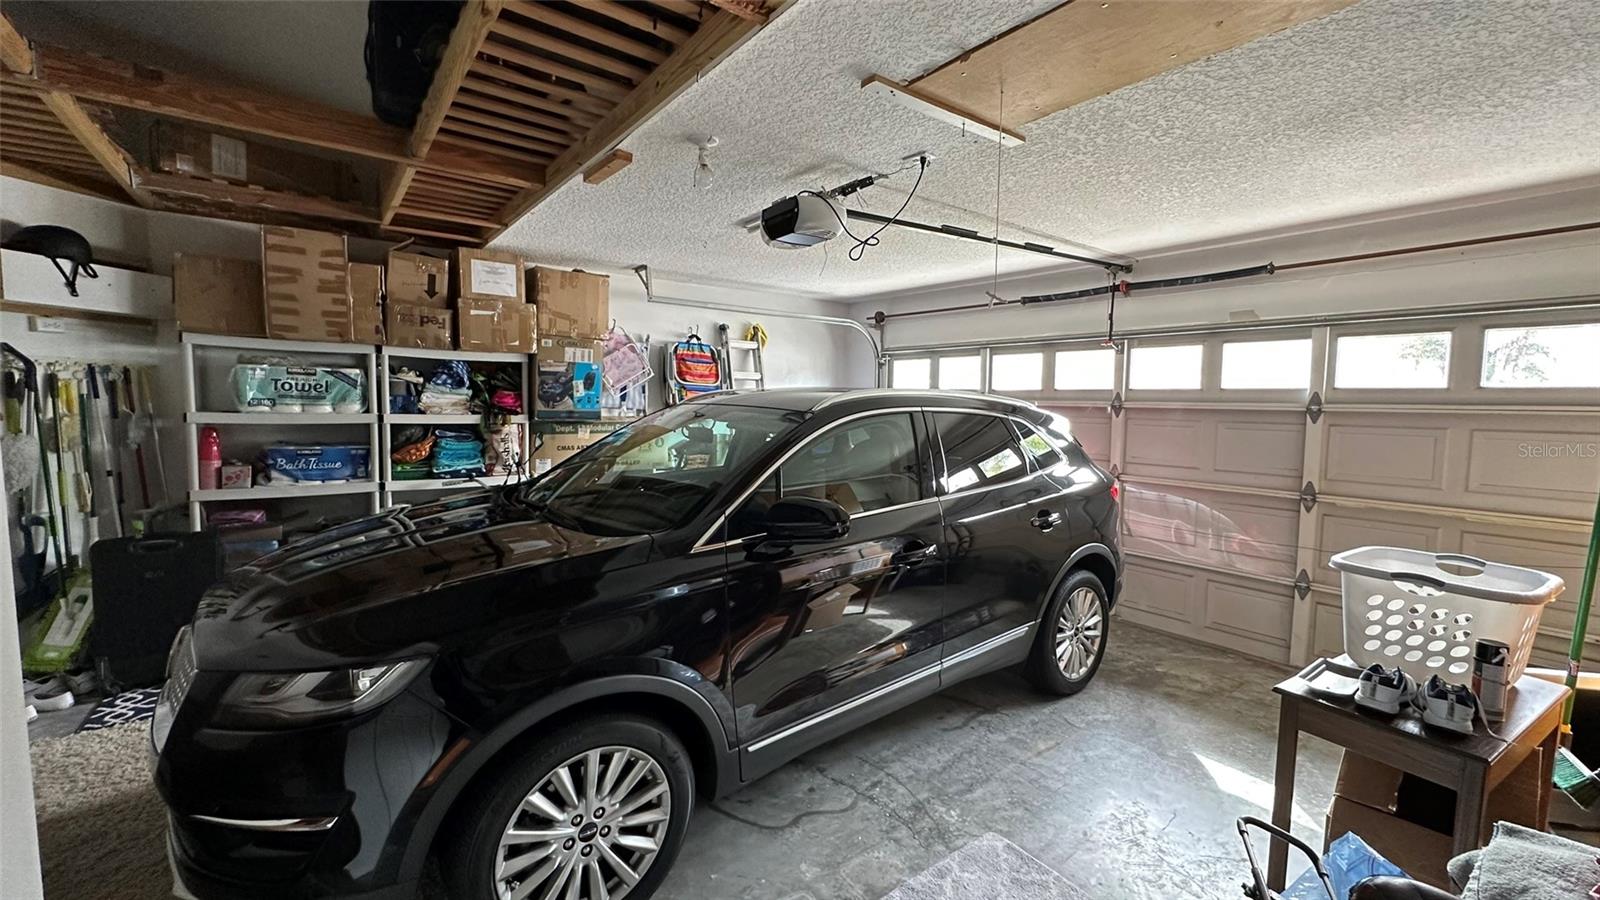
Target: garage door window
{"type": "Point", "coordinates": [1016, 372]}
{"type": "Point", "coordinates": [961, 373]}
{"type": "Point", "coordinates": [1266, 365]}
{"type": "Point", "coordinates": [1166, 368]}
{"type": "Point", "coordinates": [911, 374]}
{"type": "Point", "coordinates": [1552, 356]}
{"type": "Point", "coordinates": [1388, 361]}
{"type": "Point", "coordinates": [978, 450]}
{"type": "Point", "coordinates": [1086, 370]}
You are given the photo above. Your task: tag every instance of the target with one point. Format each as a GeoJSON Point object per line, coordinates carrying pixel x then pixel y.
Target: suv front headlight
{"type": "Point", "coordinates": [293, 699]}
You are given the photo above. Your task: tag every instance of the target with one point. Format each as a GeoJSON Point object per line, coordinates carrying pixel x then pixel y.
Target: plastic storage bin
{"type": "Point", "coordinates": [1424, 611]}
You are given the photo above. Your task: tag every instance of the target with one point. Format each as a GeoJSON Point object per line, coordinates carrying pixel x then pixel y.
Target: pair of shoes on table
{"type": "Point", "coordinates": [51, 695]}
{"type": "Point", "coordinates": [1452, 707]}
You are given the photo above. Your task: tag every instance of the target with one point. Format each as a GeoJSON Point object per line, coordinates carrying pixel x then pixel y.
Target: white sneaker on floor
{"type": "Point", "coordinates": [51, 696]}
{"type": "Point", "coordinates": [31, 713]}
{"type": "Point", "coordinates": [1385, 690]}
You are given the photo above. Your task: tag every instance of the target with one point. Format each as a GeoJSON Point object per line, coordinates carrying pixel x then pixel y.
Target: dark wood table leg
{"type": "Point", "coordinates": [1283, 787]}
{"type": "Point", "coordinates": [1547, 771]}
{"type": "Point", "coordinates": [1471, 807]}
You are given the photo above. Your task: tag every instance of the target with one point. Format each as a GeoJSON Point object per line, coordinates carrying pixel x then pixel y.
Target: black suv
{"type": "Point", "coordinates": [535, 682]}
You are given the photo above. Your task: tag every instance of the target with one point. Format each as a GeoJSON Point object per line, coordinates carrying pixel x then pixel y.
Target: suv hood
{"type": "Point", "coordinates": [399, 584]}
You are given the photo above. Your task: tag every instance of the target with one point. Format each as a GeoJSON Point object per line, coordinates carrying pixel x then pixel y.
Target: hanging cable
{"type": "Point", "coordinates": [859, 248]}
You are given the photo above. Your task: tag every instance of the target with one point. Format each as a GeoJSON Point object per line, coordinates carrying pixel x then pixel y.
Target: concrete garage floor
{"type": "Point", "coordinates": [1129, 790]}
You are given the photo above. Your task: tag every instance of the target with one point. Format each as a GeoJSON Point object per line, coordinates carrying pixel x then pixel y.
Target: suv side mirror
{"type": "Point", "coordinates": [803, 520]}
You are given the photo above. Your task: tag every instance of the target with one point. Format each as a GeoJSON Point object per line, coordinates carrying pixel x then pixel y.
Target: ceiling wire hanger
{"type": "Point", "coordinates": [999, 146]}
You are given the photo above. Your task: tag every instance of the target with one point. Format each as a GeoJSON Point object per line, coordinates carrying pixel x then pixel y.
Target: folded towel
{"type": "Point", "coordinates": [1523, 864]}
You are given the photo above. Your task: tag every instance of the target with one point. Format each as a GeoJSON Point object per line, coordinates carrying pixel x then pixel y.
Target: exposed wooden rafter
{"type": "Point", "coordinates": [111, 157]}
{"type": "Point", "coordinates": [15, 54]}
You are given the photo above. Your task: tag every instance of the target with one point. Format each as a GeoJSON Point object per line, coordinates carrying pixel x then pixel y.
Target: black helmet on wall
{"type": "Point", "coordinates": [57, 243]}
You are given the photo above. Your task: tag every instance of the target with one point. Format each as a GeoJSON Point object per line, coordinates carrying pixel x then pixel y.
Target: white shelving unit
{"type": "Point", "coordinates": [207, 359]}
{"type": "Point", "coordinates": [407, 491]}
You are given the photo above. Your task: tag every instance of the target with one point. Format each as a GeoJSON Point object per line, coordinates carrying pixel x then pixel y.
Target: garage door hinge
{"type": "Point", "coordinates": [1308, 496]}
{"type": "Point", "coordinates": [1314, 407]}
{"type": "Point", "coordinates": [1116, 404]}
{"type": "Point", "coordinates": [1302, 584]}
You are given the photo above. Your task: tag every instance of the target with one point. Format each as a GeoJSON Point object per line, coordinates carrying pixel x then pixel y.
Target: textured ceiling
{"type": "Point", "coordinates": [1388, 103]}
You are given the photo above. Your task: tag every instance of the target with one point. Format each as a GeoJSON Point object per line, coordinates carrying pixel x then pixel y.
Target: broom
{"type": "Point", "coordinates": [1571, 775]}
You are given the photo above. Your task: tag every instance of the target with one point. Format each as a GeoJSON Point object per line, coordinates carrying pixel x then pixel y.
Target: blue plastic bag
{"type": "Point", "coordinates": [1348, 861]}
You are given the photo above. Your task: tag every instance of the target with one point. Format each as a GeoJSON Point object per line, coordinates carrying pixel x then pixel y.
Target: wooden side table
{"type": "Point", "coordinates": [1472, 765]}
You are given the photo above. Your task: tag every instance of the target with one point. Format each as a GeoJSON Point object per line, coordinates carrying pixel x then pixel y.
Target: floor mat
{"type": "Point", "coordinates": [987, 868]}
{"type": "Point", "coordinates": [129, 706]}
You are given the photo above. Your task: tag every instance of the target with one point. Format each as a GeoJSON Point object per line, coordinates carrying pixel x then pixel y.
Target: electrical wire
{"type": "Point", "coordinates": [859, 248]}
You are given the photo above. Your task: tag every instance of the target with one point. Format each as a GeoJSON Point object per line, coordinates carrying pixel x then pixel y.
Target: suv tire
{"type": "Point", "coordinates": [638, 765]}
{"type": "Point", "coordinates": [1072, 637]}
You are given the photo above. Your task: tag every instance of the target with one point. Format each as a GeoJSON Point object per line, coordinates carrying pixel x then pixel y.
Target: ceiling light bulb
{"type": "Point", "coordinates": [703, 174]}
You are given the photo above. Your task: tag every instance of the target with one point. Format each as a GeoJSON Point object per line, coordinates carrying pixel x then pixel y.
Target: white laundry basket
{"type": "Point", "coordinates": [1423, 611]}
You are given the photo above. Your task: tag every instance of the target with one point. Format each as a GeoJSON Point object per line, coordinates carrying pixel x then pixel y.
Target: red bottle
{"type": "Point", "coordinates": [210, 458]}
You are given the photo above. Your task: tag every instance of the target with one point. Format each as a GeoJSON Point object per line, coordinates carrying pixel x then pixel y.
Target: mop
{"type": "Point", "coordinates": [68, 561]}
{"type": "Point", "coordinates": [135, 437]}
{"type": "Point", "coordinates": [103, 428]}
{"type": "Point", "coordinates": [1571, 775]}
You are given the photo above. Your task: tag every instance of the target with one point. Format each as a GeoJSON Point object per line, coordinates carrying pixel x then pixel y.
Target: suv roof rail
{"type": "Point", "coordinates": [902, 392]}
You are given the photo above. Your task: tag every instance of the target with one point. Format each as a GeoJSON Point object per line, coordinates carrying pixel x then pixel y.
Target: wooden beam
{"type": "Point", "coordinates": [396, 181]}
{"type": "Point", "coordinates": [754, 10]}
{"type": "Point", "coordinates": [965, 119]}
{"type": "Point", "coordinates": [531, 141]}
{"type": "Point", "coordinates": [440, 215]}
{"type": "Point", "coordinates": [549, 15]}
{"type": "Point", "coordinates": [443, 235]}
{"type": "Point", "coordinates": [213, 192]}
{"type": "Point", "coordinates": [247, 109]}
{"type": "Point", "coordinates": [25, 171]}
{"type": "Point", "coordinates": [111, 157]}
{"type": "Point", "coordinates": [472, 27]}
{"type": "Point", "coordinates": [565, 47]}
{"type": "Point", "coordinates": [467, 113]}
{"type": "Point", "coordinates": [636, 17]}
{"type": "Point", "coordinates": [447, 135]}
{"type": "Point", "coordinates": [469, 99]}
{"type": "Point", "coordinates": [689, 9]}
{"type": "Point", "coordinates": [598, 104]}
{"type": "Point", "coordinates": [485, 193]}
{"type": "Point", "coordinates": [582, 118]}
{"type": "Point", "coordinates": [15, 54]}
{"type": "Point", "coordinates": [594, 84]}
{"type": "Point", "coordinates": [614, 162]}
{"type": "Point", "coordinates": [721, 34]}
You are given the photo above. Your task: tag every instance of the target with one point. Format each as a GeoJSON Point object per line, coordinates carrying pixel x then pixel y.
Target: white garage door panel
{"type": "Point", "coordinates": [1246, 618]}
{"type": "Point", "coordinates": [1533, 464]}
{"type": "Point", "coordinates": [1345, 529]}
{"type": "Point", "coordinates": [1091, 425]}
{"type": "Point", "coordinates": [1244, 533]}
{"type": "Point", "coordinates": [1251, 448]}
{"type": "Point", "coordinates": [1158, 591]}
{"type": "Point", "coordinates": [1560, 553]}
{"type": "Point", "coordinates": [1328, 622]}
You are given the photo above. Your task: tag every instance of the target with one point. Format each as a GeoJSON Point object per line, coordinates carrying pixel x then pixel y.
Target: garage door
{"type": "Point", "coordinates": [1249, 456]}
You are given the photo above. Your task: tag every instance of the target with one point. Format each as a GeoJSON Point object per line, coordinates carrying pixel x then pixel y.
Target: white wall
{"type": "Point", "coordinates": [1566, 265]}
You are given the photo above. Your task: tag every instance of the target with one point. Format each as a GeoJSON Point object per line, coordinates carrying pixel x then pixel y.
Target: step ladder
{"type": "Point", "coordinates": [742, 363]}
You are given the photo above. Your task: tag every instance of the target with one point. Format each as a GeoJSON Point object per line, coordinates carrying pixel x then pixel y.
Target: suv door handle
{"type": "Point", "coordinates": [915, 552]}
{"type": "Point", "coordinates": [1045, 520]}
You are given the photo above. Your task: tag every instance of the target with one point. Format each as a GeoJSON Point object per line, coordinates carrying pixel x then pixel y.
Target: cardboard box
{"type": "Point", "coordinates": [416, 279]}
{"type": "Point", "coordinates": [199, 152]}
{"type": "Point", "coordinates": [366, 303]}
{"type": "Point", "coordinates": [427, 327]}
{"type": "Point", "coordinates": [1411, 821]}
{"type": "Point", "coordinates": [306, 282]}
{"type": "Point", "coordinates": [487, 275]}
{"type": "Point", "coordinates": [496, 326]}
{"type": "Point", "coordinates": [572, 304]}
{"type": "Point", "coordinates": [218, 296]}
{"type": "Point", "coordinates": [567, 372]}
{"type": "Point", "coordinates": [554, 442]}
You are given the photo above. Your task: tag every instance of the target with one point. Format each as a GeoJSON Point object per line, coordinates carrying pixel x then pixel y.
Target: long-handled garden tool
{"type": "Point", "coordinates": [103, 428]}
{"type": "Point", "coordinates": [52, 384]}
{"type": "Point", "coordinates": [1571, 775]}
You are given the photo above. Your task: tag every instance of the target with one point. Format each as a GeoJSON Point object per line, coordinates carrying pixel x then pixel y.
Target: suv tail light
{"type": "Point", "coordinates": [1116, 492]}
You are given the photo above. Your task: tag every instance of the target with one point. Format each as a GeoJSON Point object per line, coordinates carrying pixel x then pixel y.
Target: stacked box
{"type": "Point", "coordinates": [366, 303]}
{"type": "Point", "coordinates": [305, 285]}
{"type": "Point", "coordinates": [218, 296]}
{"type": "Point", "coordinates": [572, 304]}
{"type": "Point", "coordinates": [554, 442]}
{"type": "Point", "coordinates": [567, 382]}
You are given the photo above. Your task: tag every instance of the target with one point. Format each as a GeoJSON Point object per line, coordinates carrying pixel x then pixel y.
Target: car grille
{"type": "Point", "coordinates": [180, 675]}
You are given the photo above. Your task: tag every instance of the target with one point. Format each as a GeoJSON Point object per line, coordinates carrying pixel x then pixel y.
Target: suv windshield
{"type": "Point", "coordinates": [657, 473]}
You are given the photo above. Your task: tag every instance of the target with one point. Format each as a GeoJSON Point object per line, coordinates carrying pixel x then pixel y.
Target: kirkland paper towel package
{"type": "Point", "coordinates": [263, 387]}
{"type": "Point", "coordinates": [316, 462]}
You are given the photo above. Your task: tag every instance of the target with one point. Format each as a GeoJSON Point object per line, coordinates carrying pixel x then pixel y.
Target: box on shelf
{"type": "Point", "coordinates": [306, 284]}
{"type": "Point", "coordinates": [487, 275]}
{"type": "Point", "coordinates": [366, 303]}
{"type": "Point", "coordinates": [417, 280]}
{"type": "Point", "coordinates": [568, 371]}
{"type": "Point", "coordinates": [218, 296]}
{"type": "Point", "coordinates": [572, 304]}
{"type": "Point", "coordinates": [496, 326]}
{"type": "Point", "coordinates": [234, 475]}
{"type": "Point", "coordinates": [553, 442]}
{"type": "Point", "coordinates": [409, 325]}
{"type": "Point", "coordinates": [187, 150]}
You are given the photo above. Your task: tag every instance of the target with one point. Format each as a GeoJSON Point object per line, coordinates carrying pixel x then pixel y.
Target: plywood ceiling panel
{"type": "Point", "coordinates": [1086, 48]}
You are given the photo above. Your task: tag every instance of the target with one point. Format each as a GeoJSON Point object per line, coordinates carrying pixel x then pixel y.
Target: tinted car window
{"type": "Point", "coordinates": [1040, 451]}
{"type": "Point", "coordinates": [978, 450]}
{"type": "Point", "coordinates": [658, 472]}
{"type": "Point", "coordinates": [862, 465]}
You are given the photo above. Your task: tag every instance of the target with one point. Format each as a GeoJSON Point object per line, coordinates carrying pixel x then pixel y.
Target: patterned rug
{"type": "Point", "coordinates": [136, 705]}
